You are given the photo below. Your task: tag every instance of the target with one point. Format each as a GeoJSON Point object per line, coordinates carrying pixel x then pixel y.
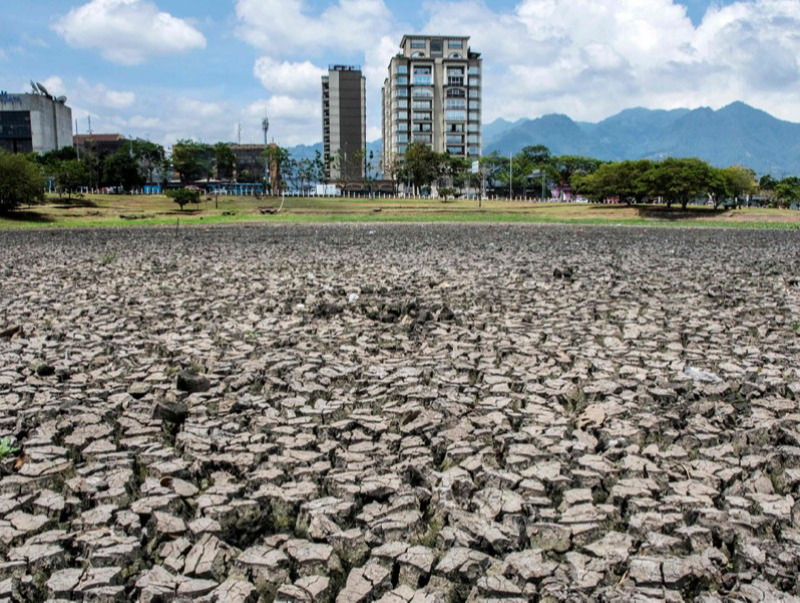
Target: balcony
{"type": "Point", "coordinates": [455, 81]}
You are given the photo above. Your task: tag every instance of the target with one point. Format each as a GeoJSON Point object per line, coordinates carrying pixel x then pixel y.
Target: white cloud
{"type": "Point", "coordinates": [100, 95]}
{"type": "Point", "coordinates": [283, 26]}
{"type": "Point", "coordinates": [287, 77]}
{"type": "Point", "coordinates": [592, 58]}
{"type": "Point", "coordinates": [128, 31]}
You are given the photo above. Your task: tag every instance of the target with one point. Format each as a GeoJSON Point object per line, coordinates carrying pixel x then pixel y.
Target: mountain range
{"type": "Point", "coordinates": [734, 135]}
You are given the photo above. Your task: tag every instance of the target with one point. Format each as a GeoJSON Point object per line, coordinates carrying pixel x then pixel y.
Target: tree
{"type": "Point", "coordinates": [568, 166]}
{"type": "Point", "coordinates": [224, 161]}
{"type": "Point", "coordinates": [21, 182]}
{"type": "Point", "coordinates": [192, 160]}
{"type": "Point", "coordinates": [184, 196]}
{"type": "Point", "coordinates": [628, 181]}
{"type": "Point", "coordinates": [70, 176]}
{"type": "Point", "coordinates": [278, 159]}
{"type": "Point", "coordinates": [787, 191]}
{"type": "Point", "coordinates": [121, 169]}
{"type": "Point", "coordinates": [422, 164]}
{"type": "Point", "coordinates": [680, 180]}
{"type": "Point", "coordinates": [738, 181]}
{"type": "Point", "coordinates": [455, 171]}
{"type": "Point", "coordinates": [150, 157]}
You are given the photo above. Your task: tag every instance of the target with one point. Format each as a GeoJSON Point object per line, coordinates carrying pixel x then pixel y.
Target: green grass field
{"type": "Point", "coordinates": [129, 210]}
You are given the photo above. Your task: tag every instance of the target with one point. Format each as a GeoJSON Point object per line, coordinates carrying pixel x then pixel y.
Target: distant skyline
{"type": "Point", "coordinates": [170, 69]}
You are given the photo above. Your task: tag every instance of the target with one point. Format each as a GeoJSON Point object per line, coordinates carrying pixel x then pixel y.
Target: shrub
{"type": "Point", "coordinates": [184, 196]}
{"type": "Point", "coordinates": [21, 182]}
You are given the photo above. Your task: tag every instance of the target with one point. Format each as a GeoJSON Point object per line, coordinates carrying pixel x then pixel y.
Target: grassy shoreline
{"type": "Point", "coordinates": [138, 211]}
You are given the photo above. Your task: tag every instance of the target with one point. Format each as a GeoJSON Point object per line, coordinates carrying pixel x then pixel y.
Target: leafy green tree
{"type": "Point", "coordinates": [739, 182]}
{"type": "Point", "coordinates": [628, 181]}
{"type": "Point", "coordinates": [536, 155]}
{"type": "Point", "coordinates": [318, 167]}
{"type": "Point", "coordinates": [454, 173]}
{"type": "Point", "coordinates": [787, 191]}
{"type": "Point", "coordinates": [680, 180]}
{"type": "Point", "coordinates": [423, 165]}
{"type": "Point", "coordinates": [192, 160]}
{"type": "Point", "coordinates": [122, 169]}
{"type": "Point", "coordinates": [569, 166]}
{"type": "Point", "coordinates": [224, 161]}
{"type": "Point", "coordinates": [184, 196]}
{"type": "Point", "coordinates": [70, 176]}
{"type": "Point", "coordinates": [150, 157]}
{"type": "Point", "coordinates": [21, 182]}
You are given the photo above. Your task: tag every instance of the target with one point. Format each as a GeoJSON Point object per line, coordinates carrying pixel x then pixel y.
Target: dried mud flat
{"type": "Point", "coordinates": [400, 413]}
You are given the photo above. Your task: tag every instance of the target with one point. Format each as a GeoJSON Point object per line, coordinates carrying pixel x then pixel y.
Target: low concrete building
{"type": "Point", "coordinates": [98, 144]}
{"type": "Point", "coordinates": [34, 123]}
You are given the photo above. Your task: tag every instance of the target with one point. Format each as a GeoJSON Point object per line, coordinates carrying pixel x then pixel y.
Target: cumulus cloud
{"type": "Point", "coordinates": [592, 58]}
{"type": "Point", "coordinates": [101, 95]}
{"type": "Point", "coordinates": [128, 31]}
{"type": "Point", "coordinates": [282, 26]}
{"type": "Point", "coordinates": [288, 77]}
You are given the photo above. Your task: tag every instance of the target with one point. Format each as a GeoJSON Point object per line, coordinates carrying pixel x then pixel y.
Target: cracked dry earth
{"type": "Point", "coordinates": [400, 413]}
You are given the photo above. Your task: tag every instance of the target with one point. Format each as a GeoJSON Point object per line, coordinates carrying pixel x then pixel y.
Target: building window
{"type": "Point", "coordinates": [473, 138]}
{"type": "Point", "coordinates": [401, 138]}
{"type": "Point", "coordinates": [455, 81]}
{"type": "Point", "coordinates": [474, 127]}
{"type": "Point", "coordinates": [422, 116]}
{"type": "Point", "coordinates": [456, 93]}
{"type": "Point", "coordinates": [455, 71]}
{"type": "Point", "coordinates": [402, 92]}
{"type": "Point", "coordinates": [422, 127]}
{"type": "Point", "coordinates": [417, 43]}
{"type": "Point", "coordinates": [422, 93]}
{"type": "Point", "coordinates": [456, 103]}
{"type": "Point", "coordinates": [417, 55]}
{"type": "Point", "coordinates": [401, 70]}
{"type": "Point", "coordinates": [426, 138]}
{"type": "Point", "coordinates": [474, 151]}
{"type": "Point", "coordinates": [474, 81]}
{"type": "Point", "coordinates": [401, 149]}
{"type": "Point", "coordinates": [455, 115]}
{"type": "Point", "coordinates": [426, 104]}
{"type": "Point", "coordinates": [455, 139]}
{"type": "Point", "coordinates": [401, 80]}
{"type": "Point", "coordinates": [454, 55]}
{"type": "Point", "coordinates": [474, 116]}
{"type": "Point", "coordinates": [401, 104]}
{"type": "Point", "coordinates": [402, 126]}
{"type": "Point", "coordinates": [473, 104]}
{"type": "Point", "coordinates": [455, 127]}
{"type": "Point", "coordinates": [455, 150]}
{"type": "Point", "coordinates": [422, 70]}
{"type": "Point", "coordinates": [455, 43]}
{"type": "Point", "coordinates": [474, 93]}
{"type": "Point", "coordinates": [474, 70]}
{"type": "Point", "coordinates": [401, 115]}
{"type": "Point", "coordinates": [436, 47]}
{"type": "Point", "coordinates": [423, 80]}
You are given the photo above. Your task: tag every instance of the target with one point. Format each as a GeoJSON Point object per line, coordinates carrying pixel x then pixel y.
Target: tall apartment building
{"type": "Point", "coordinates": [433, 95]}
{"type": "Point", "coordinates": [344, 122]}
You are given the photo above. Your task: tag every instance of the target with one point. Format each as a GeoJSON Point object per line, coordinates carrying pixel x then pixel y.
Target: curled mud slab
{"type": "Point", "coordinates": [400, 413]}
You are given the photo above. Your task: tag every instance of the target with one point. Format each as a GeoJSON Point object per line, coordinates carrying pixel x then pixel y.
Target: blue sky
{"type": "Point", "coordinates": [170, 69]}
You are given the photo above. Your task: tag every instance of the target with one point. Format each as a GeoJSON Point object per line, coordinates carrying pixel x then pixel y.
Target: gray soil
{"type": "Point", "coordinates": [400, 413]}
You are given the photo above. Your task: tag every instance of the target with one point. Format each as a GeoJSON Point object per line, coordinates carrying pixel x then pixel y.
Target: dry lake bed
{"type": "Point", "coordinates": [400, 413]}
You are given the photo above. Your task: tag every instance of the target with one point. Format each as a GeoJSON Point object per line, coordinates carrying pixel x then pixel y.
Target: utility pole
{"type": "Point", "coordinates": [510, 176]}
{"type": "Point", "coordinates": [265, 127]}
